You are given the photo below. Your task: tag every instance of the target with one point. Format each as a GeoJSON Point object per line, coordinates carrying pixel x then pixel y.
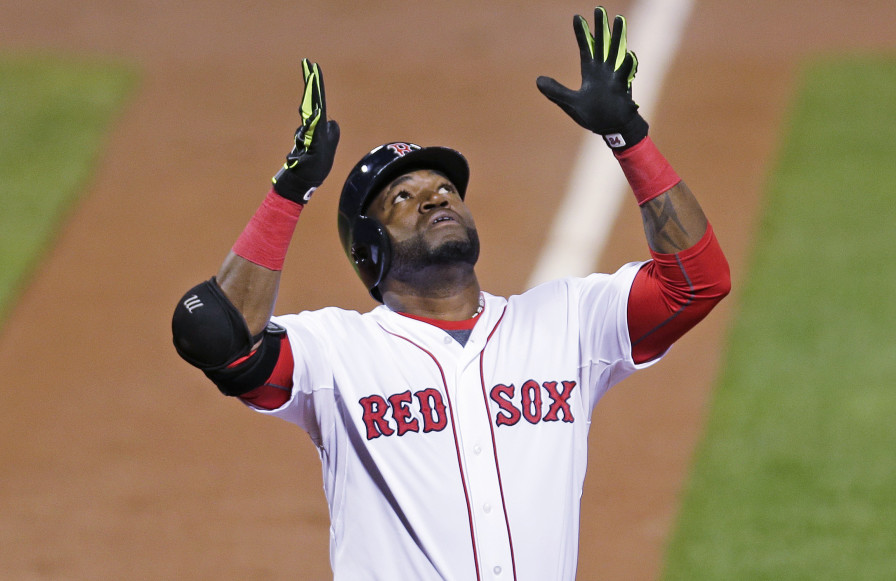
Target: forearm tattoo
{"type": "Point", "coordinates": [669, 227]}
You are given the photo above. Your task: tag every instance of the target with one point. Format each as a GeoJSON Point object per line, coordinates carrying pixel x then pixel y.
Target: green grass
{"type": "Point", "coordinates": [54, 114]}
{"type": "Point", "coordinates": [796, 474]}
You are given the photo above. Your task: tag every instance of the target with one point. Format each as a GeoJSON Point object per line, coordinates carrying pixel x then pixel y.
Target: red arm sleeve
{"type": "Point", "coordinates": [277, 389]}
{"type": "Point", "coordinates": [674, 292]}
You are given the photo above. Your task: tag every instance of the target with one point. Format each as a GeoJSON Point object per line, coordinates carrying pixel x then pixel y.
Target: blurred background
{"type": "Point", "coordinates": [118, 460]}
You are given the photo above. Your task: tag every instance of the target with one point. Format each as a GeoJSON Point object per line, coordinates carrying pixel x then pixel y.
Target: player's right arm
{"type": "Point", "coordinates": [222, 325]}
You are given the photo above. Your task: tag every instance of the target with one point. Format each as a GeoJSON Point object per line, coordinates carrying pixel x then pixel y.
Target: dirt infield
{"type": "Point", "coordinates": [121, 462]}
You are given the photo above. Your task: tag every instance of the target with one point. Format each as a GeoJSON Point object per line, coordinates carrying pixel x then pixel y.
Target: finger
{"type": "Point", "coordinates": [602, 30]}
{"type": "Point", "coordinates": [310, 127]}
{"type": "Point", "coordinates": [326, 138]}
{"type": "Point", "coordinates": [634, 69]}
{"type": "Point", "coordinates": [321, 94]}
{"type": "Point", "coordinates": [618, 43]}
{"type": "Point", "coordinates": [307, 106]}
{"type": "Point", "coordinates": [333, 134]}
{"type": "Point", "coordinates": [305, 133]}
{"type": "Point", "coordinates": [554, 91]}
{"type": "Point", "coordinates": [584, 38]}
{"type": "Point", "coordinates": [308, 109]}
{"type": "Point", "coordinates": [306, 69]}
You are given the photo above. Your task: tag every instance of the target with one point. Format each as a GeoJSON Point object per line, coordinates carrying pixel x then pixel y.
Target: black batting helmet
{"type": "Point", "coordinates": [364, 239]}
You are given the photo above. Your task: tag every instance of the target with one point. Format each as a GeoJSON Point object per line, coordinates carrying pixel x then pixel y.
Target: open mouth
{"type": "Point", "coordinates": [443, 216]}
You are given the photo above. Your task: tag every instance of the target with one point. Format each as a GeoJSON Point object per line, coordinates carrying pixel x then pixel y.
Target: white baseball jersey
{"type": "Point", "coordinates": [449, 461]}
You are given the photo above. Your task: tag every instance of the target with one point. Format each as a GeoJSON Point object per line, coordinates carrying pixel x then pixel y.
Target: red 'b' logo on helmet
{"type": "Point", "coordinates": [401, 149]}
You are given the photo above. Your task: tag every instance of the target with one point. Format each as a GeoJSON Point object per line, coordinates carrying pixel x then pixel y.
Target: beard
{"type": "Point", "coordinates": [414, 256]}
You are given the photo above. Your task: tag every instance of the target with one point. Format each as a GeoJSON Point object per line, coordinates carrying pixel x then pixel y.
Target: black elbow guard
{"type": "Point", "coordinates": [211, 334]}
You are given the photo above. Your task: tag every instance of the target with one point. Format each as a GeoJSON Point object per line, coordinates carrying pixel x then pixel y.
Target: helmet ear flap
{"type": "Point", "coordinates": [371, 252]}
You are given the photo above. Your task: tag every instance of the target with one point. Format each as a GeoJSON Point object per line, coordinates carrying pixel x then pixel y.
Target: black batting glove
{"type": "Point", "coordinates": [604, 102]}
{"type": "Point", "coordinates": [311, 158]}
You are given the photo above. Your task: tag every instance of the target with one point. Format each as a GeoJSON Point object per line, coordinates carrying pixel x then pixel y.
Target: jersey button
{"type": "Point", "coordinates": [497, 569]}
{"type": "Point", "coordinates": [477, 449]}
{"type": "Point", "coordinates": [447, 339]}
{"type": "Point", "coordinates": [487, 508]}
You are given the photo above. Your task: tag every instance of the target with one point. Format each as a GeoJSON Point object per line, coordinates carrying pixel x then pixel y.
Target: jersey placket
{"type": "Point", "coordinates": [481, 469]}
{"type": "Point", "coordinates": [471, 421]}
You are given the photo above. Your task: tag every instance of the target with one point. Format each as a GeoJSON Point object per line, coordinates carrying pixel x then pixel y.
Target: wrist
{"type": "Point", "coordinates": [266, 237]}
{"type": "Point", "coordinates": [648, 173]}
{"type": "Point", "coordinates": [290, 186]}
{"type": "Point", "coordinates": [627, 136]}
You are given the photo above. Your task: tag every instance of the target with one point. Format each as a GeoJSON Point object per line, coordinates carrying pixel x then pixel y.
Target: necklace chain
{"type": "Point", "coordinates": [480, 308]}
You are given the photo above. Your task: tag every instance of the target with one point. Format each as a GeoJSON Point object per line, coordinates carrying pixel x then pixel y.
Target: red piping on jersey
{"type": "Point", "coordinates": [460, 468]}
{"type": "Point", "coordinates": [494, 442]}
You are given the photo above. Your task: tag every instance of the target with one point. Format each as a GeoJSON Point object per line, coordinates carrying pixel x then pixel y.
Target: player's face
{"type": "Point", "coordinates": [427, 221]}
{"type": "Point", "coordinates": [422, 203]}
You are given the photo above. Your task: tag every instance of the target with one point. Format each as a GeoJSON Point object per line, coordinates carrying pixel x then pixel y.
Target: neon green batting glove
{"type": "Point", "coordinates": [311, 158]}
{"type": "Point", "coordinates": [604, 102]}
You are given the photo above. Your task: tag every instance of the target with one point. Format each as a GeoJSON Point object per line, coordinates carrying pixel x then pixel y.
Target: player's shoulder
{"type": "Point", "coordinates": [557, 288]}
{"type": "Point", "coordinates": [572, 286]}
{"type": "Point", "coordinates": [329, 318]}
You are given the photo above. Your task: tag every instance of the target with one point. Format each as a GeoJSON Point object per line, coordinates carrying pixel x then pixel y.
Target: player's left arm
{"type": "Point", "coordinates": [686, 279]}
{"type": "Point", "coordinates": [688, 275]}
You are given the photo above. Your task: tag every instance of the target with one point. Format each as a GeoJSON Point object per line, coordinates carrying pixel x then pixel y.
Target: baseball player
{"type": "Point", "coordinates": [452, 424]}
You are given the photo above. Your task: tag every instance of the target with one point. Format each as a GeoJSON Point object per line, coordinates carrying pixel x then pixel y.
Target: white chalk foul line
{"type": "Point", "coordinates": [597, 186]}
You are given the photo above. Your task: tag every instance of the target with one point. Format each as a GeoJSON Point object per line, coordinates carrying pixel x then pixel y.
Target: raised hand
{"type": "Point", "coordinates": [603, 104]}
{"type": "Point", "coordinates": [311, 158]}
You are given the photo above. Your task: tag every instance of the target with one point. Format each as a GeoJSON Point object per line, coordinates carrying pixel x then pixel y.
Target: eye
{"type": "Point", "coordinates": [447, 188]}
{"type": "Point", "coordinates": [400, 196]}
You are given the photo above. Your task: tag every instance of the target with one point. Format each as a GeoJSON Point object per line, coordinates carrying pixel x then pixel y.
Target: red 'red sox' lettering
{"type": "Point", "coordinates": [559, 400]}
{"type": "Point", "coordinates": [528, 404]}
{"type": "Point", "coordinates": [502, 395]}
{"type": "Point", "coordinates": [401, 413]}
{"type": "Point", "coordinates": [375, 408]}
{"type": "Point", "coordinates": [405, 412]}
{"type": "Point", "coordinates": [432, 408]}
{"type": "Point", "coordinates": [429, 403]}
